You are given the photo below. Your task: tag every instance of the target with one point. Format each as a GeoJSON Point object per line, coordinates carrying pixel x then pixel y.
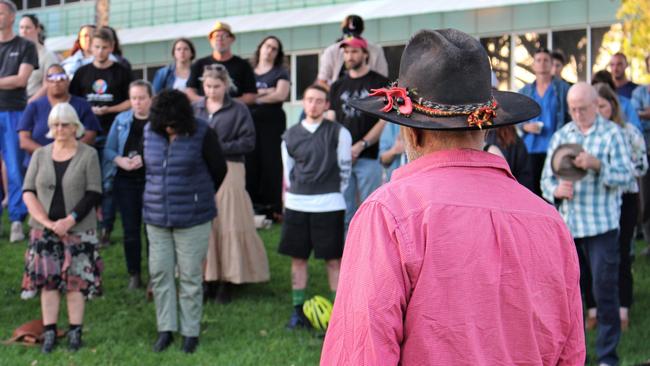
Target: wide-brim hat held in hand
{"type": "Point", "coordinates": [562, 162]}
{"type": "Point", "coordinates": [444, 84]}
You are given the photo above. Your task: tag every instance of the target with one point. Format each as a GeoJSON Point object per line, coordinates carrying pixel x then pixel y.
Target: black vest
{"type": "Point", "coordinates": [316, 169]}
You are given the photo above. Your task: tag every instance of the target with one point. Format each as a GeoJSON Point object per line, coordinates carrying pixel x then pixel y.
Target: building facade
{"type": "Point", "coordinates": [510, 30]}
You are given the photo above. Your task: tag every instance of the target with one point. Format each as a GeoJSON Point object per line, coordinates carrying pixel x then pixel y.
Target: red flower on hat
{"type": "Point", "coordinates": [395, 98]}
{"type": "Point", "coordinates": [482, 116]}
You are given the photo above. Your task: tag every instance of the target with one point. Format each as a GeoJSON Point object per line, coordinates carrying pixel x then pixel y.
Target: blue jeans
{"type": "Point", "coordinates": [128, 194]}
{"type": "Point", "coordinates": [13, 157]}
{"type": "Point", "coordinates": [364, 179]}
{"type": "Point", "coordinates": [602, 259]}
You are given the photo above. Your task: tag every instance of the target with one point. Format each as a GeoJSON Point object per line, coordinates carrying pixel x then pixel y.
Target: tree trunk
{"type": "Point", "coordinates": [101, 12]}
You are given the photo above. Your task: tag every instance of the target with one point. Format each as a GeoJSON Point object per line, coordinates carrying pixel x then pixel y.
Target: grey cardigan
{"type": "Point", "coordinates": [83, 174]}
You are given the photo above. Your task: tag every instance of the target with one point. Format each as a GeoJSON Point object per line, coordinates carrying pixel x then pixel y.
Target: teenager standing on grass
{"type": "Point", "coordinates": [316, 154]}
{"type": "Point", "coordinates": [62, 187]}
{"type": "Point", "coordinates": [236, 254]}
{"type": "Point", "coordinates": [124, 173]}
{"type": "Point", "coordinates": [184, 167]}
{"type": "Point", "coordinates": [264, 164]}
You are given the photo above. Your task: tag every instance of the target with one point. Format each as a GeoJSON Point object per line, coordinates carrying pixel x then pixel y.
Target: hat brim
{"type": "Point", "coordinates": [513, 108]}
{"type": "Point", "coordinates": [565, 151]}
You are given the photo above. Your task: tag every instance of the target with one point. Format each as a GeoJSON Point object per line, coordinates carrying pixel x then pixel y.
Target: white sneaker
{"type": "Point", "coordinates": [16, 232]}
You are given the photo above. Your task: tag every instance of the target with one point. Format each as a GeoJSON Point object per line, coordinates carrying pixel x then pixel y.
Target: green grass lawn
{"type": "Point", "coordinates": [120, 327]}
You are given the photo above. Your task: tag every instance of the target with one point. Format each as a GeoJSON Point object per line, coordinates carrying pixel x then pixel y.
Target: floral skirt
{"type": "Point", "coordinates": [65, 264]}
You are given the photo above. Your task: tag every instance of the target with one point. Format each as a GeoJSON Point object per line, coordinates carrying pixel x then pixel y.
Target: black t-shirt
{"type": "Point", "coordinates": [356, 122]}
{"type": "Point", "coordinates": [240, 71]}
{"type": "Point", "coordinates": [102, 87]}
{"type": "Point", "coordinates": [134, 146]}
{"type": "Point", "coordinates": [14, 53]}
{"type": "Point", "coordinates": [270, 80]}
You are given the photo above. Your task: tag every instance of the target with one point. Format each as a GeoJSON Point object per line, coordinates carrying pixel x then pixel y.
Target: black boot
{"type": "Point", "coordinates": [74, 338]}
{"type": "Point", "coordinates": [164, 340]}
{"type": "Point", "coordinates": [224, 293]}
{"type": "Point", "coordinates": [49, 340]}
{"type": "Point", "coordinates": [189, 344]}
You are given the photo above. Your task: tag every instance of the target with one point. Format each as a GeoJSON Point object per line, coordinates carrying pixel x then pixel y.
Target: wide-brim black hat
{"type": "Point", "coordinates": [445, 84]}
{"type": "Point", "coordinates": [562, 162]}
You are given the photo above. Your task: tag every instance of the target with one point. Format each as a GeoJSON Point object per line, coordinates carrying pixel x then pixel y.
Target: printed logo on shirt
{"type": "Point", "coordinates": [14, 54]}
{"type": "Point", "coordinates": [348, 111]}
{"type": "Point", "coordinates": [100, 86]}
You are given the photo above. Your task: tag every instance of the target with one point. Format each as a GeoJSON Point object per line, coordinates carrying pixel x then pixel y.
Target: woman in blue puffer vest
{"type": "Point", "coordinates": [184, 167]}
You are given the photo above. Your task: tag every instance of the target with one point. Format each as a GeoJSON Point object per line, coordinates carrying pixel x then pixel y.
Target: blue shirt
{"type": "Point", "coordinates": [34, 118]}
{"type": "Point", "coordinates": [596, 204]}
{"type": "Point", "coordinates": [386, 141]}
{"type": "Point", "coordinates": [538, 143]}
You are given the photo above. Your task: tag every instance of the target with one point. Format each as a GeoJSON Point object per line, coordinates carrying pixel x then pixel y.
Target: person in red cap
{"type": "Point", "coordinates": [453, 262]}
{"type": "Point", "coordinates": [365, 130]}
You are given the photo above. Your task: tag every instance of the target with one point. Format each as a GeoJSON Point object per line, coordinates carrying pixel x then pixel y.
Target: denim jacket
{"type": "Point", "coordinates": [114, 147]}
{"type": "Point", "coordinates": [164, 78]}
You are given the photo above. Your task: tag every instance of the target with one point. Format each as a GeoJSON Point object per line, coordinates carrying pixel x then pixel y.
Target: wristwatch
{"type": "Point", "coordinates": [365, 144]}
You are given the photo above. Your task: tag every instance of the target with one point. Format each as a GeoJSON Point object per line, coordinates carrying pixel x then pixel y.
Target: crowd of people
{"type": "Point", "coordinates": [193, 156]}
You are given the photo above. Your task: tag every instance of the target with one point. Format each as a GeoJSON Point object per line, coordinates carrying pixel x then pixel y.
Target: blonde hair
{"type": "Point", "coordinates": [64, 113]}
{"type": "Point", "coordinates": [219, 72]}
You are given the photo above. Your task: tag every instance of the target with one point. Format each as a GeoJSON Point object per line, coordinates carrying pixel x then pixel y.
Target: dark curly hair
{"type": "Point", "coordinates": [172, 108]}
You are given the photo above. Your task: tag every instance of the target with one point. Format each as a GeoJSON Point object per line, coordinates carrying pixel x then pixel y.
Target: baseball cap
{"type": "Point", "coordinates": [357, 42]}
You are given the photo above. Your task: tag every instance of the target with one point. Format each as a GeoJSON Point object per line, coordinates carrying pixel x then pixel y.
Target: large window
{"type": "Point", "coordinates": [498, 50]}
{"type": "Point", "coordinates": [604, 44]}
{"type": "Point", "coordinates": [306, 72]}
{"type": "Point", "coordinates": [524, 49]}
{"type": "Point", "coordinates": [573, 44]}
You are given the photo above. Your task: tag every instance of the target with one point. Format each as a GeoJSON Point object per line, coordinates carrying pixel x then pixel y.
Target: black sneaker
{"type": "Point", "coordinates": [49, 341]}
{"type": "Point", "coordinates": [298, 320]}
{"type": "Point", "coordinates": [189, 344]}
{"type": "Point", "coordinates": [74, 339]}
{"type": "Point", "coordinates": [164, 340]}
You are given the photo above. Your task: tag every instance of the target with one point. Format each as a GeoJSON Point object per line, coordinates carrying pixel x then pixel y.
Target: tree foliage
{"type": "Point", "coordinates": [635, 18]}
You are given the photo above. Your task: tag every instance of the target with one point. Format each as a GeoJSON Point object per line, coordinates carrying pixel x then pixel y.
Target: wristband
{"type": "Point", "coordinates": [74, 215]}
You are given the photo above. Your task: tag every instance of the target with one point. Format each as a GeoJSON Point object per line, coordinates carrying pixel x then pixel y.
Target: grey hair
{"type": "Point", "coordinates": [10, 5]}
{"type": "Point", "coordinates": [64, 112]}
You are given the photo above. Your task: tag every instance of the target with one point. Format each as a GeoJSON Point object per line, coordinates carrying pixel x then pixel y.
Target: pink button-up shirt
{"type": "Point", "coordinates": [454, 263]}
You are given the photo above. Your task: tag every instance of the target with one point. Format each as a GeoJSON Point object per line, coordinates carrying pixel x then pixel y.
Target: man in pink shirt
{"type": "Point", "coordinates": [453, 262]}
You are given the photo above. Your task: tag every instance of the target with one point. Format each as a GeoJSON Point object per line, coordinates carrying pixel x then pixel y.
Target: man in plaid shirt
{"type": "Point", "coordinates": [591, 206]}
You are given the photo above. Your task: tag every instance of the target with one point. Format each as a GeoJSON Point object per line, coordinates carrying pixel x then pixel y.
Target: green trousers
{"type": "Point", "coordinates": [187, 248]}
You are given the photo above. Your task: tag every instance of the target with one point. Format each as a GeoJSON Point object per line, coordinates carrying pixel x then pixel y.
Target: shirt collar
{"type": "Point", "coordinates": [451, 158]}
{"type": "Point", "coordinates": [600, 121]}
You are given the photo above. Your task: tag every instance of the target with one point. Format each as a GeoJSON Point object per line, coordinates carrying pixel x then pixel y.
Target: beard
{"type": "Point", "coordinates": [353, 66]}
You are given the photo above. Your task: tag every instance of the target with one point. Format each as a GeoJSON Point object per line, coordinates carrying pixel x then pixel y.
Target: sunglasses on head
{"type": "Point", "coordinates": [214, 67]}
{"type": "Point", "coordinates": [60, 124]}
{"type": "Point", "coordinates": [57, 77]}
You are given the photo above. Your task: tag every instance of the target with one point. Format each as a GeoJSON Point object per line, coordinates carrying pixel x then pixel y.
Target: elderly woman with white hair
{"type": "Point", "coordinates": [61, 188]}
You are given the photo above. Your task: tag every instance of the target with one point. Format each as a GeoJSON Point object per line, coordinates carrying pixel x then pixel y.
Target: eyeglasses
{"type": "Point", "coordinates": [57, 77]}
{"type": "Point", "coordinates": [60, 124]}
{"type": "Point", "coordinates": [220, 36]}
{"type": "Point", "coordinates": [214, 67]}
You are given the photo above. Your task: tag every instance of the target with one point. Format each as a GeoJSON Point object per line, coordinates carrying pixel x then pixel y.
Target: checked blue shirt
{"type": "Point", "coordinates": [596, 204]}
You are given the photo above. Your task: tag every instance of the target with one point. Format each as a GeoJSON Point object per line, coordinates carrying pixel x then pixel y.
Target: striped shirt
{"type": "Point", "coordinates": [596, 204]}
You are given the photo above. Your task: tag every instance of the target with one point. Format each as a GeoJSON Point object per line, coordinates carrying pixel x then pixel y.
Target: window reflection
{"type": "Point", "coordinates": [498, 50]}
{"type": "Point", "coordinates": [525, 46]}
{"type": "Point", "coordinates": [573, 44]}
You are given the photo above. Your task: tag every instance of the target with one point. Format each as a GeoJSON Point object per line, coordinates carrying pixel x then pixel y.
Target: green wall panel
{"type": "Point", "coordinates": [462, 20]}
{"type": "Point", "coordinates": [532, 16]}
{"type": "Point", "coordinates": [371, 31]}
{"type": "Point", "coordinates": [305, 38]}
{"type": "Point", "coordinates": [329, 33]}
{"type": "Point", "coordinates": [425, 21]}
{"type": "Point", "coordinates": [494, 20]}
{"type": "Point", "coordinates": [602, 11]}
{"type": "Point", "coordinates": [394, 29]}
{"type": "Point", "coordinates": [568, 12]}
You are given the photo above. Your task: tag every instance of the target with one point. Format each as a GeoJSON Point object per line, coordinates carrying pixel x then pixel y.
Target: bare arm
{"type": "Point", "coordinates": [278, 95]}
{"type": "Point", "coordinates": [192, 94]}
{"type": "Point", "coordinates": [248, 98]}
{"type": "Point", "coordinates": [26, 142]}
{"type": "Point", "coordinates": [89, 137]}
{"type": "Point", "coordinates": [373, 135]}
{"type": "Point", "coordinates": [39, 93]}
{"type": "Point", "coordinates": [19, 80]}
{"type": "Point", "coordinates": [36, 209]}
{"type": "Point", "coordinates": [645, 114]}
{"type": "Point", "coordinates": [119, 107]}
